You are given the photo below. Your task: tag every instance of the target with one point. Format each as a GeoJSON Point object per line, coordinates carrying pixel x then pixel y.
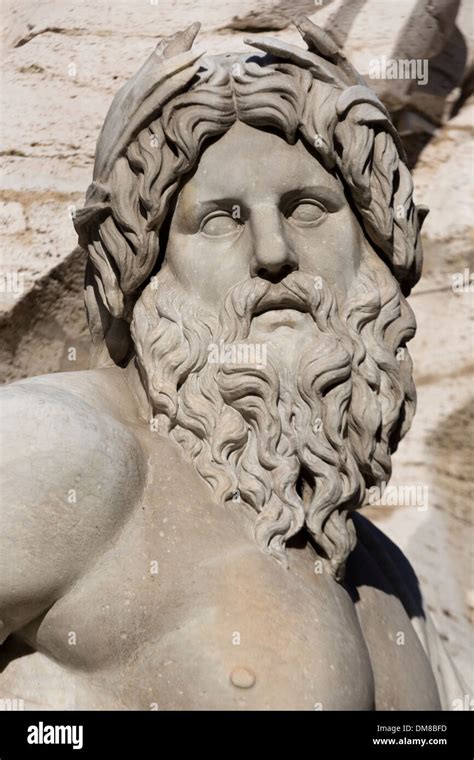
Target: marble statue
{"type": "Point", "coordinates": [179, 524]}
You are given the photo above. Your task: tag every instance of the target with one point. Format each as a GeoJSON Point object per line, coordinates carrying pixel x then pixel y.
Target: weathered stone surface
{"type": "Point", "coordinates": [12, 219]}
{"type": "Point", "coordinates": [443, 181]}
{"type": "Point", "coordinates": [45, 330]}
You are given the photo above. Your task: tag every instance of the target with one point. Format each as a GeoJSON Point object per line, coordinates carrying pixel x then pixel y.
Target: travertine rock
{"type": "Point", "coordinates": [12, 218]}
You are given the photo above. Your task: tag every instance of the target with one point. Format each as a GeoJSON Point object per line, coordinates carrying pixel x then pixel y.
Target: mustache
{"type": "Point", "coordinates": [254, 296]}
{"type": "Point", "coordinates": [281, 296]}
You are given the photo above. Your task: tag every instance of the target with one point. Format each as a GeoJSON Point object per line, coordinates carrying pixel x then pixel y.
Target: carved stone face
{"type": "Point", "coordinates": [233, 222]}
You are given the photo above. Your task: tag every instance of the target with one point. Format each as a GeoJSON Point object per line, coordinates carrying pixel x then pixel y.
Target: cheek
{"type": "Point", "coordinates": [206, 268]}
{"type": "Point", "coordinates": [333, 250]}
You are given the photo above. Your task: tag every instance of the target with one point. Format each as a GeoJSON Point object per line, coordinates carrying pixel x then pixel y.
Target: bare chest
{"type": "Point", "coordinates": [228, 631]}
{"type": "Point", "coordinates": [183, 611]}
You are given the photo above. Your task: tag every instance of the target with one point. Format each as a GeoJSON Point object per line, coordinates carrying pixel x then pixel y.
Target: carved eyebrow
{"type": "Point", "coordinates": [200, 209]}
{"type": "Point", "coordinates": [332, 199]}
{"type": "Point", "coordinates": [212, 204]}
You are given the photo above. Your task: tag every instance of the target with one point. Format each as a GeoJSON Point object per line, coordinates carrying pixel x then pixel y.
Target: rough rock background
{"type": "Point", "coordinates": [62, 62]}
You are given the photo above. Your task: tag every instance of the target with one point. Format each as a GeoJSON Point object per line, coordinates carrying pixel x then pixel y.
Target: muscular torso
{"type": "Point", "coordinates": [169, 604]}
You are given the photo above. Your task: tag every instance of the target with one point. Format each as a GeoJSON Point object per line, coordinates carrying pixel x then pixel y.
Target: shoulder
{"type": "Point", "coordinates": [56, 406]}
{"type": "Point", "coordinates": [100, 399]}
{"type": "Point", "coordinates": [57, 431]}
{"type": "Point", "coordinates": [70, 414]}
{"type": "Point", "coordinates": [59, 436]}
{"type": "Point", "coordinates": [102, 390]}
{"type": "Point", "coordinates": [71, 474]}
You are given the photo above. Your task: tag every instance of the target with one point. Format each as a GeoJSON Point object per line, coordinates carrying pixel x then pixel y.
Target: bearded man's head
{"type": "Point", "coordinates": [252, 237]}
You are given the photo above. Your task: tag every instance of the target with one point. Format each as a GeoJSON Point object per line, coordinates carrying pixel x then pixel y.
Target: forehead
{"type": "Point", "coordinates": [252, 163]}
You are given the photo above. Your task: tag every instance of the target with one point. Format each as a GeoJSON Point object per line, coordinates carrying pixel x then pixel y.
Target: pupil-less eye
{"type": "Point", "coordinates": [220, 224]}
{"type": "Point", "coordinates": [307, 212]}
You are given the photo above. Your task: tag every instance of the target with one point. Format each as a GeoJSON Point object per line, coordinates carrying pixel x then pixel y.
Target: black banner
{"type": "Point", "coordinates": [93, 734]}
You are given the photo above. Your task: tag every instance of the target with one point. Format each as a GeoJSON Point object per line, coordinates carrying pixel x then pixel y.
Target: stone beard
{"type": "Point", "coordinates": [300, 438]}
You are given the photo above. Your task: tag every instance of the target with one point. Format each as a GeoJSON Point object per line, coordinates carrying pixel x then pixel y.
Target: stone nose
{"type": "Point", "coordinates": [272, 257]}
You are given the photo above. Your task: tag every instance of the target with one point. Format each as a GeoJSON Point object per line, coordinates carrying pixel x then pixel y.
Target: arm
{"type": "Point", "coordinates": [402, 581]}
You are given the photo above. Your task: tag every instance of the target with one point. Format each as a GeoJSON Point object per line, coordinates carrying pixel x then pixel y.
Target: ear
{"type": "Point", "coordinates": [422, 212]}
